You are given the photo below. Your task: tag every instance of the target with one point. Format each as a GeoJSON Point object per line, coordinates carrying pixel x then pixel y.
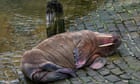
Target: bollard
{"type": "Point", "coordinates": [54, 18]}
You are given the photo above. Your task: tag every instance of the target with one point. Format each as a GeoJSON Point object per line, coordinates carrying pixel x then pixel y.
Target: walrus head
{"type": "Point", "coordinates": [108, 42]}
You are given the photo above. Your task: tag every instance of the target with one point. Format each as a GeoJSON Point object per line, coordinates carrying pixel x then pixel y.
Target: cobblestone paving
{"type": "Point", "coordinates": [115, 16]}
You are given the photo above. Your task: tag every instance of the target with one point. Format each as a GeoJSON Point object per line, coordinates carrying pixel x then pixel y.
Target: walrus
{"type": "Point", "coordinates": [61, 55]}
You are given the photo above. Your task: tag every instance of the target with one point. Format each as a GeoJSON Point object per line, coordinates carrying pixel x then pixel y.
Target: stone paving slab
{"type": "Point", "coordinates": [115, 16]}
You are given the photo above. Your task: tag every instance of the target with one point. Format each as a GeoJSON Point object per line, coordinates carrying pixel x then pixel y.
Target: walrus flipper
{"type": "Point", "coordinates": [78, 61]}
{"type": "Point", "coordinates": [76, 55]}
{"type": "Point", "coordinates": [49, 66]}
{"type": "Point", "coordinates": [53, 67]}
{"type": "Point", "coordinates": [51, 72]}
{"type": "Point", "coordinates": [44, 76]}
{"type": "Point", "coordinates": [98, 63]}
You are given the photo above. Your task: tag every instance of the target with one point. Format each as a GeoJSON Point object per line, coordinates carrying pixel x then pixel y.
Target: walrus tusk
{"type": "Point", "coordinates": [104, 45]}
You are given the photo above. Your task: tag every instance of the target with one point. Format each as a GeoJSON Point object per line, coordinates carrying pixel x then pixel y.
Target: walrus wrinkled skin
{"type": "Point", "coordinates": [59, 56]}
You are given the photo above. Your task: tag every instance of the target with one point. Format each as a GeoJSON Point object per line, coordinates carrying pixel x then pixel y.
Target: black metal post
{"type": "Point", "coordinates": [54, 18]}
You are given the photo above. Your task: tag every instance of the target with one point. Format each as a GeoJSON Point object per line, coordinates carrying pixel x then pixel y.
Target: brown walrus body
{"type": "Point", "coordinates": [59, 55]}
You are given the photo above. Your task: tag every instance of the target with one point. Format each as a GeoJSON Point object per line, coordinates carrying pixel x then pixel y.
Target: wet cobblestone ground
{"type": "Point", "coordinates": [123, 67]}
